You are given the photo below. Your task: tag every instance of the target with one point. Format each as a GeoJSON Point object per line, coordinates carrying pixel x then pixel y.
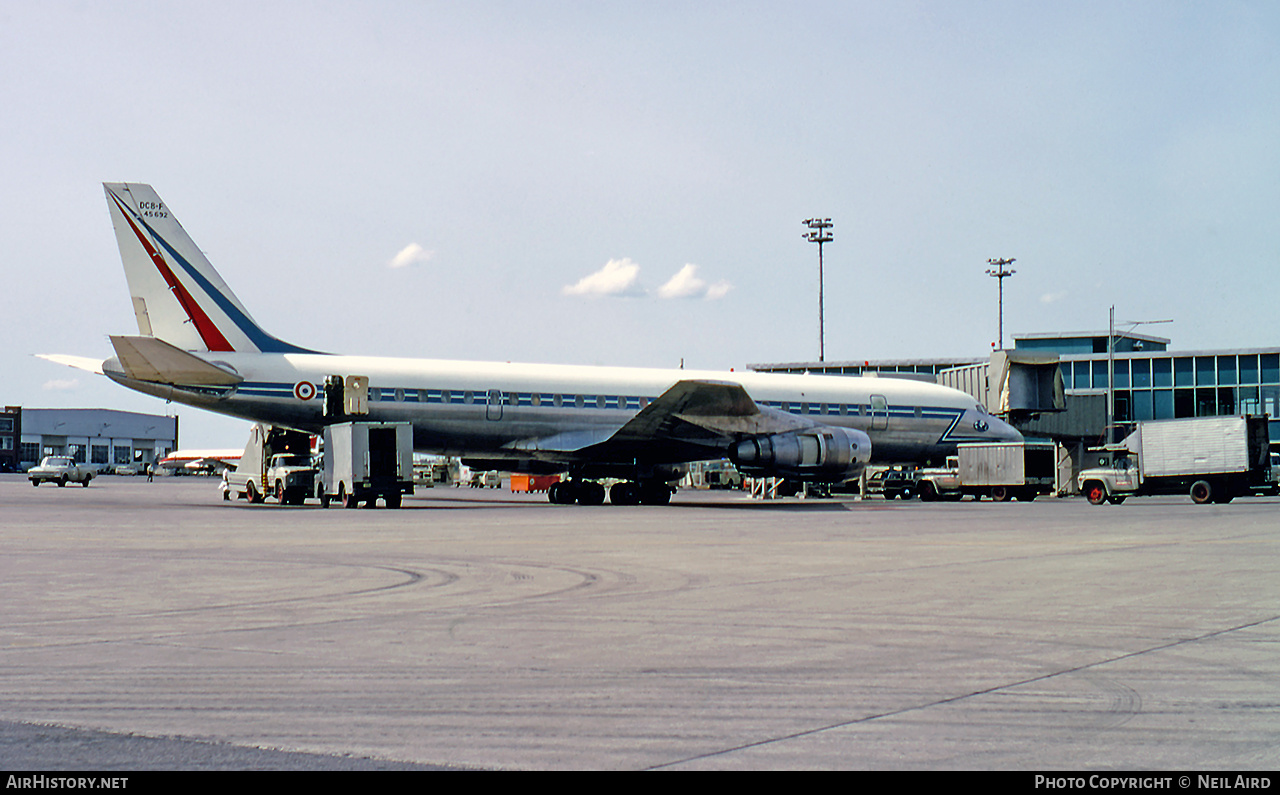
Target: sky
{"type": "Point", "coordinates": [625, 183]}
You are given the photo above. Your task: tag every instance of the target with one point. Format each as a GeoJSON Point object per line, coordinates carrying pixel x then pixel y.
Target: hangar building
{"type": "Point", "coordinates": [103, 437]}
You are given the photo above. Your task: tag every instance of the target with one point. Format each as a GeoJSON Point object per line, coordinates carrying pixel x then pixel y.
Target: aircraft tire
{"type": "Point", "coordinates": [590, 493]}
{"type": "Point", "coordinates": [627, 493]}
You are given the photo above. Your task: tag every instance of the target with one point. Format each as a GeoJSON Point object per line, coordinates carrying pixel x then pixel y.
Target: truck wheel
{"type": "Point", "coordinates": [35, 483]}
{"type": "Point", "coordinates": [324, 500]}
{"type": "Point", "coordinates": [85, 482]}
{"type": "Point", "coordinates": [1095, 493]}
{"type": "Point", "coordinates": [927, 492]}
{"type": "Point", "coordinates": [1201, 492]}
{"type": "Point", "coordinates": [251, 492]}
{"type": "Point", "coordinates": [62, 482]}
{"type": "Point", "coordinates": [393, 500]}
{"type": "Point", "coordinates": [347, 500]}
{"type": "Point", "coordinates": [1000, 493]}
{"type": "Point", "coordinates": [280, 497]}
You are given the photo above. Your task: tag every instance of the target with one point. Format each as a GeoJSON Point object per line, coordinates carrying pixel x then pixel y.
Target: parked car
{"type": "Point", "coordinates": [893, 482]}
{"type": "Point", "coordinates": [60, 469]}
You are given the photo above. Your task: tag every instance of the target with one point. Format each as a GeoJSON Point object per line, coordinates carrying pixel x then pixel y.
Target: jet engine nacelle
{"type": "Point", "coordinates": [824, 454]}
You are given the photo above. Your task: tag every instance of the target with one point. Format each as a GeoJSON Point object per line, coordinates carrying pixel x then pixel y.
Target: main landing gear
{"type": "Point", "coordinates": [589, 492]}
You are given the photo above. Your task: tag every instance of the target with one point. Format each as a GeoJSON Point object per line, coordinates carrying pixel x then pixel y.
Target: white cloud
{"type": "Point", "coordinates": [687, 284]}
{"type": "Point", "coordinates": [617, 277]}
{"type": "Point", "coordinates": [718, 290]}
{"type": "Point", "coordinates": [61, 384]}
{"type": "Point", "coordinates": [412, 254]}
{"type": "Point", "coordinates": [1052, 298]}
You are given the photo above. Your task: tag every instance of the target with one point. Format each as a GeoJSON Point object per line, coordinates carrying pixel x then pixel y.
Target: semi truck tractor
{"type": "Point", "coordinates": [1213, 459]}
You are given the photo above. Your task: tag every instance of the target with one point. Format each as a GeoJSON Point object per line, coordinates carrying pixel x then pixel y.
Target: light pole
{"type": "Point", "coordinates": [819, 235]}
{"type": "Point", "coordinates": [1000, 272]}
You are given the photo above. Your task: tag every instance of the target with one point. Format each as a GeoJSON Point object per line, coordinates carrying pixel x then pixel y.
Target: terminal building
{"type": "Point", "coordinates": [102, 437]}
{"type": "Point", "coordinates": [1069, 388]}
{"type": "Point", "coordinates": [1150, 381]}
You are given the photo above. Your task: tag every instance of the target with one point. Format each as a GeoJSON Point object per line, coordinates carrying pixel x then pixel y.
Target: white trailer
{"type": "Point", "coordinates": [364, 461]}
{"type": "Point", "coordinates": [999, 470]}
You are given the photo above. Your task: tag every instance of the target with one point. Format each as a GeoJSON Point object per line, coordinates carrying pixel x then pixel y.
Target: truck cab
{"type": "Point", "coordinates": [1113, 476]}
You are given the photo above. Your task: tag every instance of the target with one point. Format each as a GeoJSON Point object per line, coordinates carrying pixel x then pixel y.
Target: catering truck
{"type": "Point", "coordinates": [276, 463]}
{"type": "Point", "coordinates": [364, 461]}
{"type": "Point", "coordinates": [999, 470]}
{"type": "Point", "coordinates": [1213, 459]}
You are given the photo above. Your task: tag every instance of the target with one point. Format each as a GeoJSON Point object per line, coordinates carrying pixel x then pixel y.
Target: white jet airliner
{"type": "Point", "coordinates": [198, 345]}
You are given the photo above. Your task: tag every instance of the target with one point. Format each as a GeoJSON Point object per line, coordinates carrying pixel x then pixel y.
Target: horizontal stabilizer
{"type": "Point", "coordinates": [78, 362]}
{"type": "Point", "coordinates": [152, 359]}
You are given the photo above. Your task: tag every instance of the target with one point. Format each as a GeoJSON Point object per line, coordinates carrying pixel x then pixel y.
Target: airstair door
{"type": "Point", "coordinates": [879, 413]}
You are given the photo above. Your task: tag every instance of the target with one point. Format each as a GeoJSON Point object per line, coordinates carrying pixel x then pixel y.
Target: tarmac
{"type": "Point", "coordinates": [152, 626]}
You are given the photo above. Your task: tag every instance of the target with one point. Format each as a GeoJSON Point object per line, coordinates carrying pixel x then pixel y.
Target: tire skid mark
{"type": "Point", "coordinates": [983, 692]}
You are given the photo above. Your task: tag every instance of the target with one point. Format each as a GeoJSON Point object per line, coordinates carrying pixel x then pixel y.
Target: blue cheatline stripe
{"type": "Point", "coordinates": [261, 339]}
{"type": "Point", "coordinates": [612, 402]}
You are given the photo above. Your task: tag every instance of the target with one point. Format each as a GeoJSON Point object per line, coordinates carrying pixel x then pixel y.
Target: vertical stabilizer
{"type": "Point", "coordinates": [177, 295]}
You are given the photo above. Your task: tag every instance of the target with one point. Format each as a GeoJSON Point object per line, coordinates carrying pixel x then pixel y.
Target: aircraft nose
{"type": "Point", "coordinates": [992, 428]}
{"type": "Point", "coordinates": [1003, 431]}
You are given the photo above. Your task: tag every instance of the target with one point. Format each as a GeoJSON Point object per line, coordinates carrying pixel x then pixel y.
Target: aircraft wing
{"type": "Point", "coordinates": [690, 413]}
{"type": "Point", "coordinates": [721, 408]}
